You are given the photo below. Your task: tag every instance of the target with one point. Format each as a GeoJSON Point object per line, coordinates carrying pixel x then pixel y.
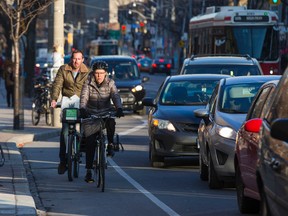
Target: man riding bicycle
{"type": "Point", "coordinates": [69, 80]}
{"type": "Point", "coordinates": [96, 95]}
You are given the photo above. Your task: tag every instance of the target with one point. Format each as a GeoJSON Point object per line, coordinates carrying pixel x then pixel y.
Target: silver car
{"type": "Point", "coordinates": [221, 119]}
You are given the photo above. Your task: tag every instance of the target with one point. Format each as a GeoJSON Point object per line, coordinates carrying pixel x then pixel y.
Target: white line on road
{"type": "Point", "coordinates": [154, 199]}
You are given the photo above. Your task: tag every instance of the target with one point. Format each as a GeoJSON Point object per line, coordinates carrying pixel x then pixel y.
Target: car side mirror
{"type": "Point", "coordinates": [202, 113]}
{"type": "Point", "coordinates": [149, 102]}
{"type": "Point", "coordinates": [279, 129]}
{"type": "Point", "coordinates": [253, 125]}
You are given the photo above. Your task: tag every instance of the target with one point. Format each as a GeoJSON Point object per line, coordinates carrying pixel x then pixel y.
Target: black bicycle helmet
{"type": "Point", "coordinates": [100, 65]}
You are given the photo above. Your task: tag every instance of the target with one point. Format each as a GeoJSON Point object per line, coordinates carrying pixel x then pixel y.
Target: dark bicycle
{"type": "Point", "coordinates": [71, 116]}
{"type": "Point", "coordinates": [101, 144]}
{"type": "Point", "coordinates": [42, 100]}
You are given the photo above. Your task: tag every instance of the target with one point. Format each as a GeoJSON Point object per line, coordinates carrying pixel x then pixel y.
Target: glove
{"type": "Point", "coordinates": [84, 113]}
{"type": "Point", "coordinates": [119, 113]}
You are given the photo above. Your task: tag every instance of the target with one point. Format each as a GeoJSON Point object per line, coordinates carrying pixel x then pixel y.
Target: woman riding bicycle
{"type": "Point", "coordinates": [96, 95]}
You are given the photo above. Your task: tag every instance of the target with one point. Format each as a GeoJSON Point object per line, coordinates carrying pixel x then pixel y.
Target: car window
{"type": "Point", "coordinates": [237, 98]}
{"type": "Point", "coordinates": [232, 70]}
{"type": "Point", "coordinates": [279, 107]}
{"type": "Point", "coordinates": [187, 92]}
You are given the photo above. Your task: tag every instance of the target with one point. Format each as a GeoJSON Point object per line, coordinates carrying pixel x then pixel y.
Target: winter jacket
{"type": "Point", "coordinates": [64, 81]}
{"type": "Point", "coordinates": [9, 78]}
{"type": "Point", "coordinates": [96, 98]}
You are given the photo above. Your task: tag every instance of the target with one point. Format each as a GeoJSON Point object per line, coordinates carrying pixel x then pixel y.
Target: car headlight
{"type": "Point", "coordinates": [46, 65]}
{"type": "Point", "coordinates": [226, 132]}
{"type": "Point", "coordinates": [137, 88]}
{"type": "Point", "coordinates": [163, 124]}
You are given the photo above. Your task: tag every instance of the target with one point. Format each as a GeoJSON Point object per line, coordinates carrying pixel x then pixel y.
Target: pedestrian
{"type": "Point", "coordinates": [97, 93]}
{"type": "Point", "coordinates": [69, 81]}
{"type": "Point", "coordinates": [8, 77]}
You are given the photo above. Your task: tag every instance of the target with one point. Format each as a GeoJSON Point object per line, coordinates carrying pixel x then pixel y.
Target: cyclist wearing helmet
{"type": "Point", "coordinates": [69, 81]}
{"type": "Point", "coordinates": [96, 94]}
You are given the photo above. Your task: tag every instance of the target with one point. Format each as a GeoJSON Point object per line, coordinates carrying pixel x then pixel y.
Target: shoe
{"type": "Point", "coordinates": [110, 150]}
{"type": "Point", "coordinates": [88, 177]}
{"type": "Point", "coordinates": [62, 168]}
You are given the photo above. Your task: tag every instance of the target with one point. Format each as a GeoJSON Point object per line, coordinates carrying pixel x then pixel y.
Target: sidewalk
{"type": "Point", "coordinates": [15, 195]}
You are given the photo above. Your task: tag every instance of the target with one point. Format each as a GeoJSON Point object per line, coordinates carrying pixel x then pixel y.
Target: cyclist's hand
{"type": "Point", "coordinates": [119, 113]}
{"type": "Point", "coordinates": [53, 103]}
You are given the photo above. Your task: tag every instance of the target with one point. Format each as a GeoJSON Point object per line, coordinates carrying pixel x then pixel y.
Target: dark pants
{"type": "Point", "coordinates": [91, 144]}
{"type": "Point", "coordinates": [10, 95]}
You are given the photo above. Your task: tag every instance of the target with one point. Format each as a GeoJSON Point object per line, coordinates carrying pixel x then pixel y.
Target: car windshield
{"type": "Point", "coordinates": [232, 70]}
{"type": "Point", "coordinates": [188, 92]}
{"type": "Point", "coordinates": [238, 98]}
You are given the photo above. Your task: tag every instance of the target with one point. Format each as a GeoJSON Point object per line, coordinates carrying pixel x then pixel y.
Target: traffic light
{"type": "Point", "coordinates": [123, 29]}
{"type": "Point", "coordinates": [275, 2]}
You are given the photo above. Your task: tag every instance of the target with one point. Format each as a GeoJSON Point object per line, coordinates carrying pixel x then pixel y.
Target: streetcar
{"type": "Point", "coordinates": [103, 47]}
{"type": "Point", "coordinates": [237, 30]}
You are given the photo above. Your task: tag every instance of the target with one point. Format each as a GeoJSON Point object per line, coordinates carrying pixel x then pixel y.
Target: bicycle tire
{"type": "Point", "coordinates": [102, 166]}
{"type": "Point", "coordinates": [2, 158]}
{"type": "Point", "coordinates": [70, 157]}
{"type": "Point", "coordinates": [35, 112]}
{"type": "Point", "coordinates": [48, 117]}
{"type": "Point", "coordinates": [76, 158]}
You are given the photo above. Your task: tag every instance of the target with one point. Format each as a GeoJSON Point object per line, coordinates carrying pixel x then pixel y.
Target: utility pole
{"type": "Point", "coordinates": [58, 49]}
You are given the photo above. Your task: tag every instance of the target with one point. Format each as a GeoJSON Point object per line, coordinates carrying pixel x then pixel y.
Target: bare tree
{"type": "Point", "coordinates": [20, 14]}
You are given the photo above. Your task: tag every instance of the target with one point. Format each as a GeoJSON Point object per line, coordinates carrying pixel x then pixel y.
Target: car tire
{"type": "Point", "coordinates": [155, 160]}
{"type": "Point", "coordinates": [213, 181]}
{"type": "Point", "coordinates": [245, 204]}
{"type": "Point", "coordinates": [203, 169]}
{"type": "Point", "coordinates": [264, 208]}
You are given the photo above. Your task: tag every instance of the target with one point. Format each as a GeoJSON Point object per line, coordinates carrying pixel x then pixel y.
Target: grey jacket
{"type": "Point", "coordinates": [96, 98]}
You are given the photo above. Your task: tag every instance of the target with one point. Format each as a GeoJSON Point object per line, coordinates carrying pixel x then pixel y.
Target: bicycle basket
{"type": "Point", "coordinates": [71, 115]}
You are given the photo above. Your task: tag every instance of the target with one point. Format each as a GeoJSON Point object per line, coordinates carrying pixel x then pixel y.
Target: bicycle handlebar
{"type": "Point", "coordinates": [102, 115]}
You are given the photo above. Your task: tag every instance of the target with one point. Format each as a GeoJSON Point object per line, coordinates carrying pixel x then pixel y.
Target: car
{"type": "Point", "coordinates": [43, 65]}
{"type": "Point", "coordinates": [233, 65]}
{"type": "Point", "coordinates": [161, 65]}
{"type": "Point", "coordinates": [246, 150]}
{"type": "Point", "coordinates": [125, 72]}
{"type": "Point", "coordinates": [272, 166]}
{"type": "Point", "coordinates": [145, 64]}
{"type": "Point", "coordinates": [172, 126]}
{"type": "Point", "coordinates": [221, 119]}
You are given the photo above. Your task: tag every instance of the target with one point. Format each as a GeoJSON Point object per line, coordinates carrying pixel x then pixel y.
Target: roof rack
{"type": "Point", "coordinates": [247, 56]}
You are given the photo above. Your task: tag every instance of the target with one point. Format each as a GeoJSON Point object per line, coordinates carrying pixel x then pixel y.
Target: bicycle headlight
{"type": "Point", "coordinates": [163, 124]}
{"type": "Point", "coordinates": [226, 132]}
{"type": "Point", "coordinates": [137, 88]}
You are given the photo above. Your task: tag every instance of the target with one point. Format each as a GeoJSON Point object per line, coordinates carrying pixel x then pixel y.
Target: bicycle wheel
{"type": "Point", "coordinates": [102, 166]}
{"type": "Point", "coordinates": [36, 112]}
{"type": "Point", "coordinates": [48, 117]}
{"type": "Point", "coordinates": [70, 156]}
{"type": "Point", "coordinates": [76, 158]}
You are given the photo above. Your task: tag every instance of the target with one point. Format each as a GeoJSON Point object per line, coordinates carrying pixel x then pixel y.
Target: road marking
{"type": "Point", "coordinates": [150, 196]}
{"type": "Point", "coordinates": [144, 124]}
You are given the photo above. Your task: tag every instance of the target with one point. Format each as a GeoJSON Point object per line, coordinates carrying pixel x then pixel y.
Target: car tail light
{"type": "Point", "coordinates": [168, 66]}
{"type": "Point", "coordinates": [154, 65]}
{"type": "Point", "coordinates": [253, 125]}
{"type": "Point", "coordinates": [139, 65]}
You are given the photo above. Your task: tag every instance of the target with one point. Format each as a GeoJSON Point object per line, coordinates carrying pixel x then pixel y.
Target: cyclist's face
{"type": "Point", "coordinates": [99, 75]}
{"type": "Point", "coordinates": [77, 60]}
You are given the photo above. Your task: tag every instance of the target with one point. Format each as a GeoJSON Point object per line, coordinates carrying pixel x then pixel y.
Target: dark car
{"type": "Point", "coordinates": [233, 65]}
{"type": "Point", "coordinates": [43, 65]}
{"type": "Point", "coordinates": [172, 126]}
{"type": "Point", "coordinates": [221, 119]}
{"type": "Point", "coordinates": [125, 72]}
{"type": "Point", "coordinates": [272, 166]}
{"type": "Point", "coordinates": [145, 64]}
{"type": "Point", "coordinates": [161, 65]}
{"type": "Point", "coordinates": [246, 150]}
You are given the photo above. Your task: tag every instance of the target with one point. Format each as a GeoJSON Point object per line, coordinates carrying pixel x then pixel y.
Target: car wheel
{"type": "Point", "coordinates": [245, 204]}
{"type": "Point", "coordinates": [203, 169]}
{"type": "Point", "coordinates": [213, 181]}
{"type": "Point", "coordinates": [264, 208]}
{"type": "Point", "coordinates": [155, 160]}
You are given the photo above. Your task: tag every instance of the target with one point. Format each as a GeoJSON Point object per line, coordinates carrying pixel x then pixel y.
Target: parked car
{"type": "Point", "coordinates": [233, 65]}
{"type": "Point", "coordinates": [125, 72]}
{"type": "Point", "coordinates": [161, 65]}
{"type": "Point", "coordinates": [145, 64]}
{"type": "Point", "coordinates": [221, 119]}
{"type": "Point", "coordinates": [246, 150]}
{"type": "Point", "coordinates": [172, 126]}
{"type": "Point", "coordinates": [272, 166]}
